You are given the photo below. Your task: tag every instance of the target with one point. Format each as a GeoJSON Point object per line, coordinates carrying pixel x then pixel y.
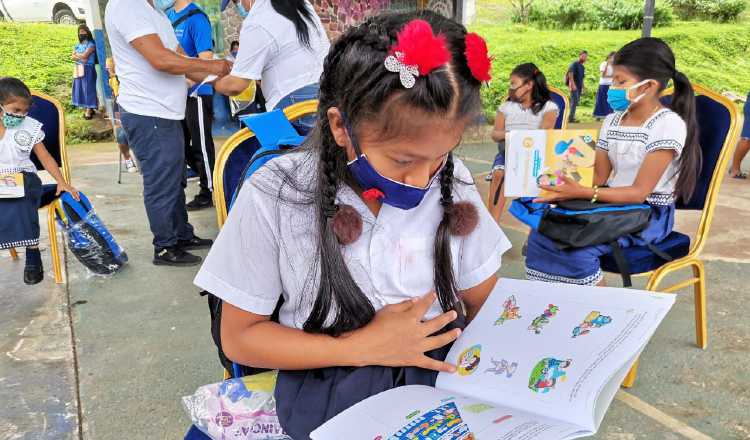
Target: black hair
{"type": "Point", "coordinates": [11, 88]}
{"type": "Point", "coordinates": [611, 54]}
{"type": "Point", "coordinates": [583, 52]}
{"type": "Point", "coordinates": [86, 29]}
{"type": "Point", "coordinates": [356, 82]}
{"type": "Point", "coordinates": [233, 44]}
{"type": "Point", "coordinates": [540, 93]}
{"type": "Point", "coordinates": [652, 58]}
{"type": "Point", "coordinates": [299, 14]}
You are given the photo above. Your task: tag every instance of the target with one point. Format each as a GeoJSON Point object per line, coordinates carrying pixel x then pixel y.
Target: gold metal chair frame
{"type": "Point", "coordinates": [65, 167]}
{"type": "Point", "coordinates": [293, 112]}
{"type": "Point", "coordinates": [692, 260]}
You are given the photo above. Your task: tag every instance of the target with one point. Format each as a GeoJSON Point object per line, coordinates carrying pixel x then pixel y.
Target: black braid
{"type": "Point", "coordinates": [445, 283]}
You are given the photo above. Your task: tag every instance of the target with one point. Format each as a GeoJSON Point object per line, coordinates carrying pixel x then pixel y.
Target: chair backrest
{"type": "Point", "coordinates": [235, 154]}
{"type": "Point", "coordinates": [718, 125]}
{"type": "Point", "coordinates": [50, 113]}
{"type": "Point", "coordinates": [559, 98]}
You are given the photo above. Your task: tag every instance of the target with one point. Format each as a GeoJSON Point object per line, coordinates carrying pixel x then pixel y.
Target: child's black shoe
{"type": "Point", "coordinates": [33, 273]}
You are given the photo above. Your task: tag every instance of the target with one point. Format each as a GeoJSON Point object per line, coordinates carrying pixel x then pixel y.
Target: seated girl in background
{"type": "Point", "coordinates": [19, 136]}
{"type": "Point", "coordinates": [364, 228]}
{"type": "Point", "coordinates": [529, 107]}
{"type": "Point", "coordinates": [646, 153]}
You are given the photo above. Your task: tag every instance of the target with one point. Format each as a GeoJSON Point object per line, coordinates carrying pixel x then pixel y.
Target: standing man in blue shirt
{"type": "Point", "coordinates": [193, 30]}
{"type": "Point", "coordinates": [574, 78]}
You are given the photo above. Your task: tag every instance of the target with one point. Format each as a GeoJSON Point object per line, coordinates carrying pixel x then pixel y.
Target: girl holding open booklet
{"type": "Point", "coordinates": [21, 135]}
{"type": "Point", "coordinates": [648, 152]}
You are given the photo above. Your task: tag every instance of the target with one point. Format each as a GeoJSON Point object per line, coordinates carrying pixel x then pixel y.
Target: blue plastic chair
{"type": "Point", "coordinates": [719, 122]}
{"type": "Point", "coordinates": [563, 103]}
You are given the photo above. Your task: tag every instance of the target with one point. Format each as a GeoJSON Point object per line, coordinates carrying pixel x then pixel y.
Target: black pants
{"type": "Point", "coordinates": [199, 142]}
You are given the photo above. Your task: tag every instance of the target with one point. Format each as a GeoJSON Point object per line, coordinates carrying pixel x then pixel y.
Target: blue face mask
{"type": "Point", "coordinates": [163, 4]}
{"type": "Point", "coordinates": [10, 120]}
{"type": "Point", "coordinates": [241, 9]}
{"type": "Point", "coordinates": [397, 194]}
{"type": "Point", "coordinates": [618, 98]}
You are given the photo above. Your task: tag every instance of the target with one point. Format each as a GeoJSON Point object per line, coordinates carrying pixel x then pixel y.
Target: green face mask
{"type": "Point", "coordinates": [10, 120]}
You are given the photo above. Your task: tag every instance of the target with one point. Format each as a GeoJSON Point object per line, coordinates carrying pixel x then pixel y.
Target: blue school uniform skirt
{"type": "Point", "coordinates": [499, 162]}
{"type": "Point", "coordinates": [84, 88]}
{"type": "Point", "coordinates": [746, 126]}
{"type": "Point", "coordinates": [546, 262]}
{"type": "Point", "coordinates": [602, 108]}
{"type": "Point", "coordinates": [19, 219]}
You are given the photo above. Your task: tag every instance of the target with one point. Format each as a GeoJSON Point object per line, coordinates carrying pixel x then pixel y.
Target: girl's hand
{"type": "Point", "coordinates": [64, 186]}
{"type": "Point", "coordinates": [569, 190]}
{"type": "Point", "coordinates": [397, 336]}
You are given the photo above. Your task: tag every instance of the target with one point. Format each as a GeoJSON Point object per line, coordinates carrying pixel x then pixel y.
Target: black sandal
{"type": "Point", "coordinates": [740, 175]}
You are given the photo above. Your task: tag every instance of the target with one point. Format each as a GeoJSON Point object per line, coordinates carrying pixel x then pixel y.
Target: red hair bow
{"type": "Point", "coordinates": [417, 52]}
{"type": "Point", "coordinates": [477, 57]}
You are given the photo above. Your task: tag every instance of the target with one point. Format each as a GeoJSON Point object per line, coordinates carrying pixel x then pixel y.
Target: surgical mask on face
{"type": "Point", "coordinates": [82, 38]}
{"type": "Point", "coordinates": [11, 120]}
{"type": "Point", "coordinates": [163, 4]}
{"type": "Point", "coordinates": [241, 9]}
{"type": "Point", "coordinates": [617, 98]}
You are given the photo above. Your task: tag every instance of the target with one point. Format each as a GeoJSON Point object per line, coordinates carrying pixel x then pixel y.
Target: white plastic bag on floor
{"type": "Point", "coordinates": [238, 409]}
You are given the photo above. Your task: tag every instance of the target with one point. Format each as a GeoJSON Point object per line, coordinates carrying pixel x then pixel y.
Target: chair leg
{"type": "Point", "coordinates": [632, 374]}
{"type": "Point", "coordinates": [13, 254]}
{"type": "Point", "coordinates": [701, 319]}
{"type": "Point", "coordinates": [54, 248]}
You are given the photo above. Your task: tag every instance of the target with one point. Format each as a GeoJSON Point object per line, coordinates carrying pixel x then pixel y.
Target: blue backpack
{"type": "Point", "coordinates": [87, 237]}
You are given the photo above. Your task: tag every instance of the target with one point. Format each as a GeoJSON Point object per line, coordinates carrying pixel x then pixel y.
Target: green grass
{"type": "Point", "coordinates": [711, 54]}
{"type": "Point", "coordinates": [39, 55]}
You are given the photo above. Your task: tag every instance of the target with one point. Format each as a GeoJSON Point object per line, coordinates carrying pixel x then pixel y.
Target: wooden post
{"type": "Point", "coordinates": [648, 17]}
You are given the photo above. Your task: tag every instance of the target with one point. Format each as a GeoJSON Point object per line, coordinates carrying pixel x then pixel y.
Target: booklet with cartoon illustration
{"type": "Point", "coordinates": [541, 157]}
{"type": "Point", "coordinates": [539, 362]}
{"type": "Point", "coordinates": [11, 186]}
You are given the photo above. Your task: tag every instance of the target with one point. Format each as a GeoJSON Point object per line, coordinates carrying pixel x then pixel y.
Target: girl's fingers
{"type": "Point", "coordinates": [422, 304]}
{"type": "Point", "coordinates": [431, 364]}
{"type": "Point", "coordinates": [438, 322]}
{"type": "Point", "coordinates": [441, 340]}
{"type": "Point", "coordinates": [400, 307]}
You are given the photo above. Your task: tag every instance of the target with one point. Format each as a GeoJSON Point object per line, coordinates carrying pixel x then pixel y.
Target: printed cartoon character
{"type": "Point", "coordinates": [593, 320]}
{"type": "Point", "coordinates": [547, 373]}
{"type": "Point", "coordinates": [502, 367]}
{"type": "Point", "coordinates": [469, 360]}
{"type": "Point", "coordinates": [510, 311]}
{"type": "Point", "coordinates": [540, 321]}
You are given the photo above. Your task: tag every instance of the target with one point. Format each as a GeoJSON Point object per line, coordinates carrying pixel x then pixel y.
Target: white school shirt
{"type": "Point", "coordinates": [268, 247]}
{"type": "Point", "coordinates": [606, 74]}
{"type": "Point", "coordinates": [627, 147]}
{"type": "Point", "coordinates": [16, 146]}
{"type": "Point", "coordinates": [271, 52]}
{"type": "Point", "coordinates": [144, 90]}
{"type": "Point", "coordinates": [519, 118]}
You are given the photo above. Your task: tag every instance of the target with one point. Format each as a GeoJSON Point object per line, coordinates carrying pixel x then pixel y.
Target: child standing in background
{"type": "Point", "coordinates": [120, 136]}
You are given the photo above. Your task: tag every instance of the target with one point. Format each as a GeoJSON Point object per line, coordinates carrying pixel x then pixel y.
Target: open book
{"type": "Point", "coordinates": [539, 361]}
{"type": "Point", "coordinates": [541, 157]}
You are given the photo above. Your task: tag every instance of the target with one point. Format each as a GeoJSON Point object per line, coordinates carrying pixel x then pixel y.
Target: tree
{"type": "Point", "coordinates": [522, 9]}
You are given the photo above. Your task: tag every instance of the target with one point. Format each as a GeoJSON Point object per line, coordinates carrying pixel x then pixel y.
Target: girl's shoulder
{"type": "Point", "coordinates": [550, 106]}
{"type": "Point", "coordinates": [665, 119]}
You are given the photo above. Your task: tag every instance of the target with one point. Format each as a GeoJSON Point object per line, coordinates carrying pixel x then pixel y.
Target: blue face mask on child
{"type": "Point", "coordinates": [618, 98]}
{"type": "Point", "coordinates": [241, 9]}
{"type": "Point", "coordinates": [163, 4]}
{"type": "Point", "coordinates": [10, 120]}
{"type": "Point", "coordinates": [397, 194]}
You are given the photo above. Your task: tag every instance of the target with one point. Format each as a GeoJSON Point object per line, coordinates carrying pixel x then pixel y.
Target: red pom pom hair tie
{"type": "Point", "coordinates": [477, 57]}
{"type": "Point", "coordinates": [373, 195]}
{"type": "Point", "coordinates": [417, 52]}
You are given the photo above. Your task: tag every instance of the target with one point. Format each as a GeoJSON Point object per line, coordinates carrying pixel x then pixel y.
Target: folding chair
{"type": "Point", "coordinates": [719, 122]}
{"type": "Point", "coordinates": [50, 113]}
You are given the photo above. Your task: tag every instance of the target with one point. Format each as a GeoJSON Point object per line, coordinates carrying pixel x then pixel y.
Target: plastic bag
{"type": "Point", "coordinates": [92, 244]}
{"type": "Point", "coordinates": [237, 409]}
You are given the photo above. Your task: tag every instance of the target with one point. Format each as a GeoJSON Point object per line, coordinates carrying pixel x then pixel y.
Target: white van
{"type": "Point", "coordinates": [58, 11]}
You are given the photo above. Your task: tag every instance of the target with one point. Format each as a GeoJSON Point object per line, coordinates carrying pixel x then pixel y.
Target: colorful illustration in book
{"type": "Point", "coordinates": [540, 321]}
{"type": "Point", "coordinates": [502, 419]}
{"type": "Point", "coordinates": [547, 373]}
{"type": "Point", "coordinates": [592, 321]}
{"type": "Point", "coordinates": [510, 311]}
{"type": "Point", "coordinates": [469, 360]}
{"type": "Point", "coordinates": [478, 408]}
{"type": "Point", "coordinates": [570, 156]}
{"type": "Point", "coordinates": [502, 367]}
{"type": "Point", "coordinates": [441, 423]}
{"type": "Point", "coordinates": [412, 414]}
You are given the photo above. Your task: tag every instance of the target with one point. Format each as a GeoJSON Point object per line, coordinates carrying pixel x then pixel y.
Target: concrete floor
{"type": "Point", "coordinates": [109, 358]}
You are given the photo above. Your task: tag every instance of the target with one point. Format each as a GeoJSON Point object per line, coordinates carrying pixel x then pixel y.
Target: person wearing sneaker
{"type": "Point", "coordinates": [20, 187]}
{"type": "Point", "coordinates": [152, 74]}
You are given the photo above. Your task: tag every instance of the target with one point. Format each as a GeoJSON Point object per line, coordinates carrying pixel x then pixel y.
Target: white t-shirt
{"type": "Point", "coordinates": [627, 147]}
{"type": "Point", "coordinates": [268, 248]}
{"type": "Point", "coordinates": [605, 70]}
{"type": "Point", "coordinates": [271, 52]}
{"type": "Point", "coordinates": [16, 146]}
{"type": "Point", "coordinates": [144, 90]}
{"type": "Point", "coordinates": [519, 118]}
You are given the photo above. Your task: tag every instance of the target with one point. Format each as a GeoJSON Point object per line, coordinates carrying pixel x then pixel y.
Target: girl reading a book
{"type": "Point", "coordinates": [529, 107]}
{"type": "Point", "coordinates": [21, 135]}
{"type": "Point", "coordinates": [372, 233]}
{"type": "Point", "coordinates": [647, 152]}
